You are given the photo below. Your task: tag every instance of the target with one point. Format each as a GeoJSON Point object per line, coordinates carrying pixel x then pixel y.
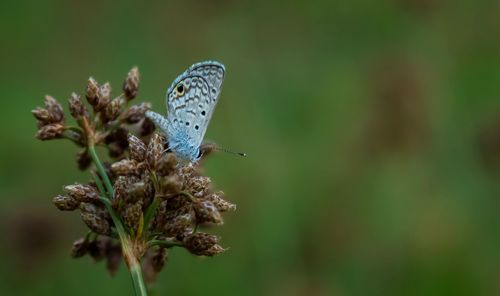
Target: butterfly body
{"type": "Point", "coordinates": [191, 100]}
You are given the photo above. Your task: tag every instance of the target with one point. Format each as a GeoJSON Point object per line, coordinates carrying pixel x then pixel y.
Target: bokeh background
{"type": "Point", "coordinates": [372, 128]}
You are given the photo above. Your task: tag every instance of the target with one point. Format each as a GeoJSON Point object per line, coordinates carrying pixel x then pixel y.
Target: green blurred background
{"type": "Point", "coordinates": [372, 128]}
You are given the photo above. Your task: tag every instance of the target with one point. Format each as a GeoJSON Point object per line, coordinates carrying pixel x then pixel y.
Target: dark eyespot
{"type": "Point", "coordinates": [187, 123]}
{"type": "Point", "coordinates": [196, 127]}
{"type": "Point", "coordinates": [180, 89]}
{"type": "Point", "coordinates": [203, 112]}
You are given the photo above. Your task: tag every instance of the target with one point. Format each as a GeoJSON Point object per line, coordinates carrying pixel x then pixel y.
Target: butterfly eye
{"type": "Point", "coordinates": [180, 89]}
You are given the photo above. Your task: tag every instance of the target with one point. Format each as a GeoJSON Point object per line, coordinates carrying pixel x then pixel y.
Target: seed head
{"type": "Point", "coordinates": [125, 167]}
{"type": "Point", "coordinates": [113, 253]}
{"type": "Point", "coordinates": [203, 244]}
{"type": "Point", "coordinates": [132, 214]}
{"type": "Point", "coordinates": [135, 113]}
{"type": "Point", "coordinates": [112, 110]}
{"type": "Point", "coordinates": [117, 142]}
{"type": "Point", "coordinates": [131, 84]}
{"type": "Point", "coordinates": [221, 204]}
{"type": "Point", "coordinates": [180, 223]}
{"type": "Point", "coordinates": [154, 151]}
{"type": "Point", "coordinates": [167, 164]}
{"type": "Point", "coordinates": [153, 263]}
{"type": "Point", "coordinates": [76, 107]}
{"type": "Point", "coordinates": [83, 159]}
{"type": "Point", "coordinates": [80, 248]}
{"type": "Point", "coordinates": [82, 193]}
{"type": "Point", "coordinates": [65, 203]}
{"type": "Point", "coordinates": [42, 115]}
{"type": "Point", "coordinates": [50, 131]}
{"type": "Point", "coordinates": [91, 92]}
{"type": "Point", "coordinates": [198, 186]}
{"type": "Point", "coordinates": [95, 218]}
{"type": "Point", "coordinates": [137, 191]}
{"type": "Point", "coordinates": [103, 96]}
{"type": "Point", "coordinates": [207, 212]}
{"type": "Point", "coordinates": [171, 185]}
{"type": "Point", "coordinates": [137, 148]}
{"type": "Point", "coordinates": [55, 109]}
{"type": "Point", "coordinates": [147, 127]}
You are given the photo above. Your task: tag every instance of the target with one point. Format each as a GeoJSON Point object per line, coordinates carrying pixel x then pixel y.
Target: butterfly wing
{"type": "Point", "coordinates": [191, 100]}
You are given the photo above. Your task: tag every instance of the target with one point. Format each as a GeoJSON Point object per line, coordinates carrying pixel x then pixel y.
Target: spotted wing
{"type": "Point", "coordinates": [192, 97]}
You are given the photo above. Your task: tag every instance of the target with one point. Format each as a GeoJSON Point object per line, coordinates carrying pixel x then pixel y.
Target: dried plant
{"type": "Point", "coordinates": [143, 202]}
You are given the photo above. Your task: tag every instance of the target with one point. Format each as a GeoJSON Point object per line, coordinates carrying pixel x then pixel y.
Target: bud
{"type": "Point", "coordinates": [202, 244]}
{"type": "Point", "coordinates": [97, 248]}
{"type": "Point", "coordinates": [83, 159]}
{"type": "Point", "coordinates": [113, 258]}
{"type": "Point", "coordinates": [154, 151]}
{"type": "Point", "coordinates": [91, 92]}
{"type": "Point", "coordinates": [50, 131]}
{"type": "Point", "coordinates": [152, 263]}
{"type": "Point", "coordinates": [103, 96]}
{"type": "Point", "coordinates": [167, 164]}
{"type": "Point", "coordinates": [207, 212]}
{"type": "Point", "coordinates": [199, 185]}
{"type": "Point", "coordinates": [171, 185]}
{"type": "Point", "coordinates": [221, 204]}
{"type": "Point", "coordinates": [117, 142]}
{"type": "Point", "coordinates": [42, 115]}
{"type": "Point", "coordinates": [65, 203]}
{"type": "Point", "coordinates": [80, 248]}
{"type": "Point", "coordinates": [132, 214]}
{"type": "Point", "coordinates": [76, 107]}
{"type": "Point", "coordinates": [135, 113]}
{"type": "Point", "coordinates": [131, 84]}
{"type": "Point", "coordinates": [120, 189]}
{"type": "Point", "coordinates": [112, 110]}
{"type": "Point", "coordinates": [95, 218]}
{"type": "Point", "coordinates": [82, 193]}
{"type": "Point", "coordinates": [159, 258]}
{"type": "Point", "coordinates": [137, 148]}
{"type": "Point", "coordinates": [136, 191]}
{"type": "Point", "coordinates": [180, 222]}
{"type": "Point", "coordinates": [147, 127]}
{"type": "Point", "coordinates": [124, 167]}
{"type": "Point", "coordinates": [55, 109]}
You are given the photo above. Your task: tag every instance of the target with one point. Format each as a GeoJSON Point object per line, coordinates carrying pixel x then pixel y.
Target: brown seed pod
{"type": "Point", "coordinates": [50, 131]}
{"type": "Point", "coordinates": [76, 107]}
{"type": "Point", "coordinates": [203, 244]}
{"type": "Point", "coordinates": [65, 203]}
{"type": "Point", "coordinates": [131, 84]}
{"type": "Point", "coordinates": [137, 148]}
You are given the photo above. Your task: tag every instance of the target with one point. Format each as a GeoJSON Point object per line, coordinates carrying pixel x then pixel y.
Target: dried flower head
{"type": "Point", "coordinates": [76, 107]}
{"type": "Point", "coordinates": [203, 244]}
{"type": "Point", "coordinates": [131, 84]}
{"type": "Point", "coordinates": [143, 201]}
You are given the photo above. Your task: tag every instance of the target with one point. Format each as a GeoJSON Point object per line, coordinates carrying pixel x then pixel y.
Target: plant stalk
{"type": "Point", "coordinates": [129, 255]}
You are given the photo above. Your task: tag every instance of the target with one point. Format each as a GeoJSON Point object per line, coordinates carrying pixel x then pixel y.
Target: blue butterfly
{"type": "Point", "coordinates": [191, 101]}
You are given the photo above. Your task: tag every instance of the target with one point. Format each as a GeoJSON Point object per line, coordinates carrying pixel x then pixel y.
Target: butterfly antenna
{"type": "Point", "coordinates": [218, 148]}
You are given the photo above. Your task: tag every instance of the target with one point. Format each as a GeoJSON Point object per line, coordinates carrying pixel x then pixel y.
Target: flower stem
{"type": "Point", "coordinates": [128, 251]}
{"type": "Point", "coordinates": [102, 171]}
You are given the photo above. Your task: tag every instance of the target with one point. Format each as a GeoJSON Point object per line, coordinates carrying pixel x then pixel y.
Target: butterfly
{"type": "Point", "coordinates": [191, 101]}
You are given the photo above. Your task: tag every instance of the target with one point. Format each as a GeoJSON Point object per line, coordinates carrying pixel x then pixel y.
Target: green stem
{"type": "Point", "coordinates": [139, 286]}
{"type": "Point", "coordinates": [128, 252]}
{"type": "Point", "coordinates": [101, 170]}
